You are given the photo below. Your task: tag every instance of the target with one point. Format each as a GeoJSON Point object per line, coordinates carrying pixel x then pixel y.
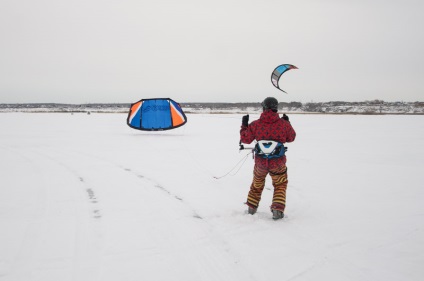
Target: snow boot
{"type": "Point", "coordinates": [251, 210]}
{"type": "Point", "coordinates": [276, 214]}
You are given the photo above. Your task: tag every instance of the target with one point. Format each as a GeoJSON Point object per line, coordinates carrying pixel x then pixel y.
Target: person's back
{"type": "Point", "coordinates": [268, 127]}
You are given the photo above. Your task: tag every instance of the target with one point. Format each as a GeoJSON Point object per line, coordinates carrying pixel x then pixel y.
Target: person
{"type": "Point", "coordinates": [275, 131]}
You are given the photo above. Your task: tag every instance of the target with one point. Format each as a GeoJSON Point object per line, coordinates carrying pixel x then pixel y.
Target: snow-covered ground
{"type": "Point", "coordinates": [85, 197]}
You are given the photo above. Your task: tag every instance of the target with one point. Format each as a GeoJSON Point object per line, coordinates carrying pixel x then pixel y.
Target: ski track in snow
{"type": "Point", "coordinates": [215, 254]}
{"type": "Point", "coordinates": [219, 268]}
{"type": "Point", "coordinates": [82, 207]}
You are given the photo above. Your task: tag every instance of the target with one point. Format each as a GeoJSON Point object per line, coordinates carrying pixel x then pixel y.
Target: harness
{"type": "Point", "coordinates": [269, 149]}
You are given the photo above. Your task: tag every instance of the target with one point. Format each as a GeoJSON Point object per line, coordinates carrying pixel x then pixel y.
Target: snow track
{"type": "Point", "coordinates": [95, 219]}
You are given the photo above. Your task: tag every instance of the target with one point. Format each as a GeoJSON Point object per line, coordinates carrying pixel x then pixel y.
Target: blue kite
{"type": "Point", "coordinates": [156, 115]}
{"type": "Point", "coordinates": [278, 71]}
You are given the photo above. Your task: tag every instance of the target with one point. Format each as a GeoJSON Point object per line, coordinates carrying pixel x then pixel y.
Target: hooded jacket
{"type": "Point", "coordinates": [269, 126]}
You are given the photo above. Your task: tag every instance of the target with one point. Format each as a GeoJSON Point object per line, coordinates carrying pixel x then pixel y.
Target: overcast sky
{"type": "Point", "coordinates": [87, 51]}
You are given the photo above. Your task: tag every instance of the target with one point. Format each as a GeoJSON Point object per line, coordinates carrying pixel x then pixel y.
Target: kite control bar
{"type": "Point", "coordinates": [241, 146]}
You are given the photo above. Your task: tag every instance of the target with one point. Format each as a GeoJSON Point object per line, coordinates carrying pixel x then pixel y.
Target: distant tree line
{"type": "Point", "coordinates": [364, 107]}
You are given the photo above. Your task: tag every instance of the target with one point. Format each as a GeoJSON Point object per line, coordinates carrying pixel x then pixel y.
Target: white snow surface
{"type": "Point", "coordinates": [85, 197]}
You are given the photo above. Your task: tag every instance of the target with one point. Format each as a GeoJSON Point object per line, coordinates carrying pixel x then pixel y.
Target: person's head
{"type": "Point", "coordinates": [270, 103]}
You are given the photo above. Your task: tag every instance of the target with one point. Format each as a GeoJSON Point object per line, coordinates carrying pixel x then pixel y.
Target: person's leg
{"type": "Point", "coordinates": [257, 186]}
{"type": "Point", "coordinates": [279, 181]}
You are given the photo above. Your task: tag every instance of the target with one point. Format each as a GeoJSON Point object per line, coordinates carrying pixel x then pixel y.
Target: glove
{"type": "Point", "coordinates": [285, 117]}
{"type": "Point", "coordinates": [245, 120]}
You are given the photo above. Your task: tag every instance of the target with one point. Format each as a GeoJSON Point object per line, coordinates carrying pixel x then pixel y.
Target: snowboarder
{"type": "Point", "coordinates": [271, 132]}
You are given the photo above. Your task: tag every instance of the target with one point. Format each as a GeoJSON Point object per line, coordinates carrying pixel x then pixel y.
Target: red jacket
{"type": "Point", "coordinates": [269, 126]}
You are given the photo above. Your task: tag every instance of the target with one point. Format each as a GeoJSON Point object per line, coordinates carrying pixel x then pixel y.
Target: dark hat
{"type": "Point", "coordinates": [270, 103]}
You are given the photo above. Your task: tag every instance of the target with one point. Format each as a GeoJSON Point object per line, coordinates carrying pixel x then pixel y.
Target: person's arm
{"type": "Point", "coordinates": [246, 131]}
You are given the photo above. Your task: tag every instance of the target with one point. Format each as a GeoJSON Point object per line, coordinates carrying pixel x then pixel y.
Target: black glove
{"type": "Point", "coordinates": [245, 120]}
{"type": "Point", "coordinates": [285, 117]}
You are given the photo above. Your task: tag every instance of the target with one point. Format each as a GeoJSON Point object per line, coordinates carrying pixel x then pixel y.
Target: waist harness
{"type": "Point", "coordinates": [269, 149]}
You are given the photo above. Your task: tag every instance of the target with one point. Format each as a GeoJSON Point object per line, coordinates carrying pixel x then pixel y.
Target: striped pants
{"type": "Point", "coordinates": [279, 181]}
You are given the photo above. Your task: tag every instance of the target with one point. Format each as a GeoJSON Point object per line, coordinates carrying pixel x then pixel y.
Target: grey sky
{"type": "Point", "coordinates": [85, 51]}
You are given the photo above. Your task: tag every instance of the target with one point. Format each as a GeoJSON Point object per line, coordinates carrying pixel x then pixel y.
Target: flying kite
{"type": "Point", "coordinates": [278, 71]}
{"type": "Point", "coordinates": [156, 115]}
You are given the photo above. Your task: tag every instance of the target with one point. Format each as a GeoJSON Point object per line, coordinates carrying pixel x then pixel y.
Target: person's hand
{"type": "Point", "coordinates": [285, 117]}
{"type": "Point", "coordinates": [245, 120]}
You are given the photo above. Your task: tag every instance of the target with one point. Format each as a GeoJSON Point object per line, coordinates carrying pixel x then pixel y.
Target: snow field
{"type": "Point", "coordinates": [85, 197]}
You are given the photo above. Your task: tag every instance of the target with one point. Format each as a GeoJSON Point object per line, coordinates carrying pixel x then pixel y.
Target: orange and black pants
{"type": "Point", "coordinates": [279, 181]}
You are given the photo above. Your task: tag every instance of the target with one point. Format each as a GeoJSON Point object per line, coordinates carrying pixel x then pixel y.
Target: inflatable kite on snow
{"type": "Point", "coordinates": [156, 115]}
